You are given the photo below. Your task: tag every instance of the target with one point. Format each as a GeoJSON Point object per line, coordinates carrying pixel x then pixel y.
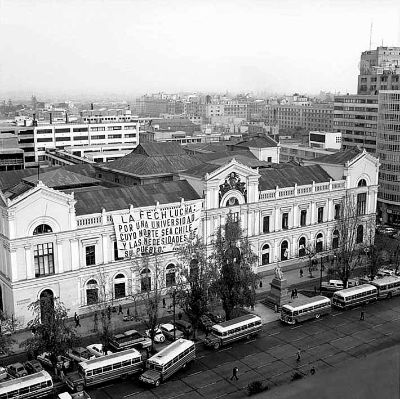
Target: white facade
{"type": "Point", "coordinates": [26, 271]}
{"type": "Point", "coordinates": [325, 140]}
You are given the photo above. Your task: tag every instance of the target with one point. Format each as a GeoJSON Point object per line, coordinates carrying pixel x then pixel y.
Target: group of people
{"type": "Point", "coordinates": [293, 294]}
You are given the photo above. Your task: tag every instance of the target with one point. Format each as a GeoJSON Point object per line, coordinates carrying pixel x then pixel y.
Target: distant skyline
{"type": "Point", "coordinates": [128, 48]}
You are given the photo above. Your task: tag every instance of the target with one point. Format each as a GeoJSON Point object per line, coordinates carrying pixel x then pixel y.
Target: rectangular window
{"type": "Point", "coordinates": [63, 130]}
{"type": "Point", "coordinates": [80, 129]}
{"type": "Point", "coordinates": [361, 203]}
{"type": "Point", "coordinates": [90, 255]}
{"type": "Point", "coordinates": [63, 138]}
{"type": "Point", "coordinates": [269, 159]}
{"type": "Point", "coordinates": [42, 131]}
{"type": "Point", "coordinates": [320, 214]}
{"type": "Point", "coordinates": [266, 224]}
{"type": "Point", "coordinates": [303, 217]}
{"type": "Point", "coordinates": [44, 140]}
{"type": "Point", "coordinates": [337, 211]}
{"type": "Point", "coordinates": [76, 138]}
{"type": "Point", "coordinates": [115, 136]}
{"type": "Point", "coordinates": [116, 257]}
{"type": "Point", "coordinates": [44, 259]}
{"type": "Point", "coordinates": [285, 221]}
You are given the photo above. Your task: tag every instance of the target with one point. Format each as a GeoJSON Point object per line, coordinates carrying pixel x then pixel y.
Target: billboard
{"type": "Point", "coordinates": [156, 230]}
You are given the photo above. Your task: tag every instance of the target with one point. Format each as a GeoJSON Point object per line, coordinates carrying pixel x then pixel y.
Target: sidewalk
{"type": "Point", "coordinates": [87, 321]}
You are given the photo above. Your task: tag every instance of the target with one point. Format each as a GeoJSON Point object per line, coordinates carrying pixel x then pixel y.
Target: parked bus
{"type": "Point", "coordinates": [223, 333]}
{"type": "Point", "coordinates": [168, 361]}
{"type": "Point", "coordinates": [34, 386]}
{"type": "Point", "coordinates": [354, 296]}
{"type": "Point", "coordinates": [305, 308]}
{"type": "Point", "coordinates": [108, 367]}
{"type": "Point", "coordinates": [387, 286]}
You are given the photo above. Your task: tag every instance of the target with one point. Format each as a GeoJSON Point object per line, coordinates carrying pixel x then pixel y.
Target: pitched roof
{"type": "Point", "coordinates": [113, 199]}
{"type": "Point", "coordinates": [62, 178]}
{"type": "Point", "coordinates": [288, 177]}
{"type": "Point", "coordinates": [200, 171]}
{"type": "Point", "coordinates": [339, 158]}
{"type": "Point", "coordinates": [159, 149]}
{"type": "Point", "coordinates": [258, 142]}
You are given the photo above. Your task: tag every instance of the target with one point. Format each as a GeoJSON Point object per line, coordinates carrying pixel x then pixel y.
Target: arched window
{"type": "Point", "coordinates": [265, 254]}
{"type": "Point", "coordinates": [92, 292]}
{"type": "Point", "coordinates": [42, 229]}
{"type": "Point", "coordinates": [232, 201]}
{"type": "Point", "coordinates": [284, 250]}
{"type": "Point", "coordinates": [360, 234]}
{"type": "Point", "coordinates": [335, 240]}
{"type": "Point", "coordinates": [319, 243]}
{"type": "Point", "coordinates": [145, 280]}
{"type": "Point", "coordinates": [362, 183]}
{"type": "Point", "coordinates": [119, 286]}
{"type": "Point", "coordinates": [170, 275]}
{"type": "Point", "coordinates": [302, 247]}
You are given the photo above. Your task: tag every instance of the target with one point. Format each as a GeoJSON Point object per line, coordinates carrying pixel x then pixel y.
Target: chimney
{"type": "Point", "coordinates": [51, 118]}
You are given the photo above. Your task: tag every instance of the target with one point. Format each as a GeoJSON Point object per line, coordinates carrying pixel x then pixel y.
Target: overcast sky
{"type": "Point", "coordinates": [137, 46]}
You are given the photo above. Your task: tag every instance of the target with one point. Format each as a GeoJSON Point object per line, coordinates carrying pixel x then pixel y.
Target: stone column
{"type": "Point", "coordinates": [30, 268]}
{"type": "Point", "coordinates": [60, 263]}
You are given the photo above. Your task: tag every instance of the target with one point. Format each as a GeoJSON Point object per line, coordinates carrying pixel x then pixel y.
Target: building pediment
{"type": "Point", "coordinates": [242, 171]}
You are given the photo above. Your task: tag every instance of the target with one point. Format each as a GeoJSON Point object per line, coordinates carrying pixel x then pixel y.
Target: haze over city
{"type": "Point", "coordinates": [132, 47]}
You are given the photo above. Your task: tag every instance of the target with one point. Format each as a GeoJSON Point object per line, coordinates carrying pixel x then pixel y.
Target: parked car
{"type": "Point", "coordinates": [158, 335]}
{"type": "Point", "coordinates": [185, 327]}
{"type": "Point", "coordinates": [62, 361]}
{"type": "Point", "coordinates": [215, 317]}
{"type": "Point", "coordinates": [385, 272]}
{"type": "Point", "coordinates": [17, 370]}
{"type": "Point", "coordinates": [3, 373]}
{"type": "Point", "coordinates": [205, 323]}
{"type": "Point", "coordinates": [97, 350]}
{"type": "Point", "coordinates": [168, 331]}
{"type": "Point", "coordinates": [33, 366]}
{"type": "Point", "coordinates": [80, 354]}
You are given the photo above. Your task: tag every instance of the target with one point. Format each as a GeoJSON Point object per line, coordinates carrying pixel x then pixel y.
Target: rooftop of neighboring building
{"type": "Point", "coordinates": [338, 158]}
{"type": "Point", "coordinates": [257, 142]}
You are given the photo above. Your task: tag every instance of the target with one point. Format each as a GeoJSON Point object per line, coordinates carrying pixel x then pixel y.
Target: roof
{"type": "Point", "coordinates": [113, 199]}
{"type": "Point", "coordinates": [339, 158]}
{"type": "Point", "coordinates": [169, 352]}
{"type": "Point", "coordinates": [288, 177]}
{"type": "Point", "coordinates": [208, 147]}
{"type": "Point", "coordinates": [159, 149]}
{"type": "Point", "coordinates": [61, 178]}
{"type": "Point", "coordinates": [258, 142]}
{"type": "Point", "coordinates": [200, 170]}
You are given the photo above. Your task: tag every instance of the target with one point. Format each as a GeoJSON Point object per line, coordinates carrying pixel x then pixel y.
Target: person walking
{"type": "Point", "coordinates": [120, 309]}
{"type": "Point", "coordinates": [234, 373]}
{"type": "Point", "coordinates": [295, 292]}
{"type": "Point", "coordinates": [312, 371]}
{"type": "Point", "coordinates": [298, 355]}
{"type": "Point", "coordinates": [362, 315]}
{"type": "Point", "coordinates": [301, 273]}
{"type": "Point", "coordinates": [77, 321]}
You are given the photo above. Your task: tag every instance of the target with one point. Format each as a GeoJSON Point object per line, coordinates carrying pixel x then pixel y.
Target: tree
{"type": "Point", "coordinates": [7, 327]}
{"type": "Point", "coordinates": [151, 286]}
{"type": "Point", "coordinates": [51, 331]}
{"type": "Point", "coordinates": [233, 259]}
{"type": "Point", "coordinates": [196, 275]}
{"type": "Point", "coordinates": [351, 237]}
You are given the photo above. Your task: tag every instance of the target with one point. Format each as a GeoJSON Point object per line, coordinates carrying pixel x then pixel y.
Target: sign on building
{"type": "Point", "coordinates": [156, 230]}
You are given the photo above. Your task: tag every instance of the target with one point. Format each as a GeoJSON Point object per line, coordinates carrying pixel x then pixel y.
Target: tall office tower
{"type": "Point", "coordinates": [379, 70]}
{"type": "Point", "coordinates": [356, 117]}
{"type": "Point", "coordinates": [388, 151]}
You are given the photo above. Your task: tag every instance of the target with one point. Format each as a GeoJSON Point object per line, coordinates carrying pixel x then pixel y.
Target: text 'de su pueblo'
{"type": "Point", "coordinates": [157, 230]}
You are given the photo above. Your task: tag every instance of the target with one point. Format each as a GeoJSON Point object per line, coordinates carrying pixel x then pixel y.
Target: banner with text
{"type": "Point", "coordinates": [157, 230]}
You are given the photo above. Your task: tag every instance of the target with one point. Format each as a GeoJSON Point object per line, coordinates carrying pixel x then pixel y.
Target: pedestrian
{"type": "Point", "coordinates": [96, 321]}
{"type": "Point", "coordinates": [301, 273]}
{"type": "Point", "coordinates": [164, 303]}
{"type": "Point", "coordinates": [312, 371]}
{"type": "Point", "coordinates": [234, 374]}
{"type": "Point", "coordinates": [292, 294]}
{"type": "Point", "coordinates": [120, 309]}
{"type": "Point", "coordinates": [298, 354]}
{"type": "Point", "coordinates": [75, 316]}
{"type": "Point", "coordinates": [362, 315]}
{"type": "Point", "coordinates": [77, 321]}
{"type": "Point", "coordinates": [295, 292]}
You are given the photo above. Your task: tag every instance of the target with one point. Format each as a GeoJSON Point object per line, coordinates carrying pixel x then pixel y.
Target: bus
{"type": "Point", "coordinates": [245, 326]}
{"type": "Point", "coordinates": [305, 308]}
{"type": "Point", "coordinates": [354, 296]}
{"type": "Point", "coordinates": [387, 286]}
{"type": "Point", "coordinates": [105, 368]}
{"type": "Point", "coordinates": [168, 361]}
{"type": "Point", "coordinates": [37, 385]}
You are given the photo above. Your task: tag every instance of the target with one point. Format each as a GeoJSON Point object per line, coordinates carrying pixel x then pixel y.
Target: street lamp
{"type": "Point", "coordinates": [173, 296]}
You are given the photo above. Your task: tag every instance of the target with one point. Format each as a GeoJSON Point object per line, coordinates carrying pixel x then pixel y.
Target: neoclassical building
{"type": "Point", "coordinates": [64, 244]}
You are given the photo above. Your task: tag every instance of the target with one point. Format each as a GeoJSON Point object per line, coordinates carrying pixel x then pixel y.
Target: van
{"type": "Point", "coordinates": [332, 285]}
{"type": "Point", "coordinates": [185, 327]}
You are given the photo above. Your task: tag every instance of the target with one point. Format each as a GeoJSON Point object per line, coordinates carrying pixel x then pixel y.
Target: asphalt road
{"type": "Point", "coordinates": [325, 344]}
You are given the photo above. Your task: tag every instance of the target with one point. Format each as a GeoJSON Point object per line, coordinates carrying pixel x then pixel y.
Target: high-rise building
{"type": "Point", "coordinates": [388, 151]}
{"type": "Point", "coordinates": [379, 70]}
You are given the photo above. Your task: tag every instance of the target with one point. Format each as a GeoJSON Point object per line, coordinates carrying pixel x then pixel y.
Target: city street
{"type": "Point", "coordinates": [324, 343]}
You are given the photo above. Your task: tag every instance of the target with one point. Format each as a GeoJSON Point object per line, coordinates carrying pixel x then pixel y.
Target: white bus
{"type": "Point", "coordinates": [354, 296]}
{"type": "Point", "coordinates": [168, 361]}
{"type": "Point", "coordinates": [109, 367]}
{"type": "Point", "coordinates": [34, 386]}
{"type": "Point", "coordinates": [305, 308]}
{"type": "Point", "coordinates": [387, 286]}
{"type": "Point", "coordinates": [245, 326]}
